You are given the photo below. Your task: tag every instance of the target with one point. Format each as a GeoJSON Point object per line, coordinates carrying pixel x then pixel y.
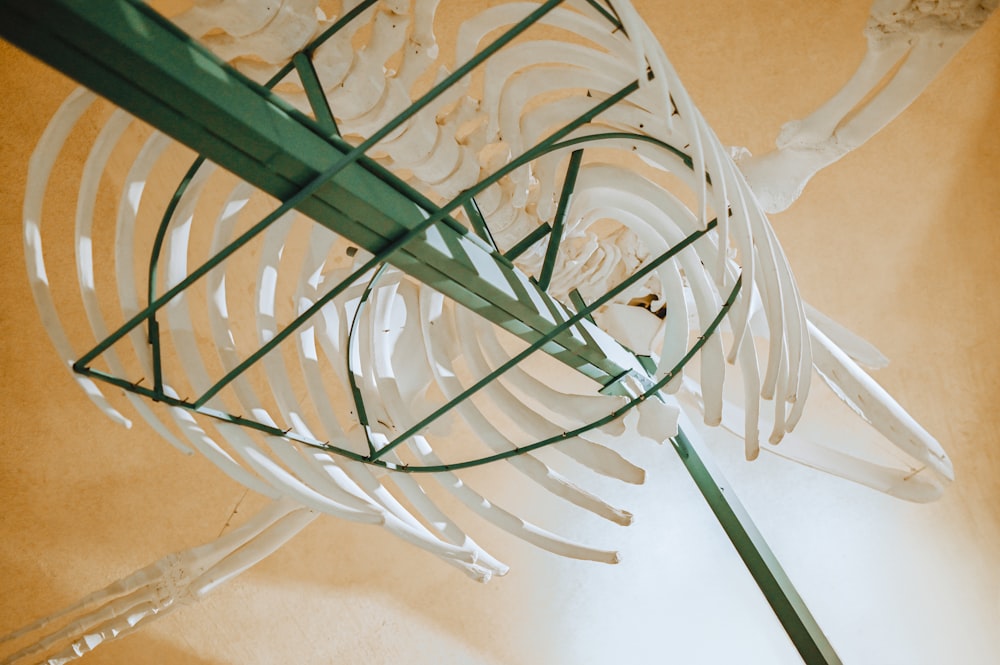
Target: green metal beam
{"type": "Point", "coordinates": [525, 243]}
{"type": "Point", "coordinates": [478, 222]}
{"type": "Point", "coordinates": [314, 92]}
{"type": "Point", "coordinates": [552, 251]}
{"type": "Point", "coordinates": [786, 602]}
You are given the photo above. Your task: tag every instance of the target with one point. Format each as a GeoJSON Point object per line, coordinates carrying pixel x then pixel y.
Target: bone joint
{"type": "Point", "coordinates": [909, 43]}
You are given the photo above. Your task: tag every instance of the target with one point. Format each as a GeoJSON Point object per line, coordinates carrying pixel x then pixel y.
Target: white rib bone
{"type": "Point", "coordinates": [39, 170]}
{"type": "Point", "coordinates": [181, 332]}
{"type": "Point", "coordinates": [284, 32]}
{"type": "Point", "coordinates": [869, 400]}
{"type": "Point", "coordinates": [402, 524]}
{"type": "Point", "coordinates": [128, 208]}
{"type": "Point", "coordinates": [93, 169]}
{"type": "Point", "coordinates": [573, 411]}
{"type": "Point", "coordinates": [535, 427]}
{"type": "Point", "coordinates": [238, 18]}
{"type": "Point", "coordinates": [431, 309]}
{"type": "Point", "coordinates": [376, 362]}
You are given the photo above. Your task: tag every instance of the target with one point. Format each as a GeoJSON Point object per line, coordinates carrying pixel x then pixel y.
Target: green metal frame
{"type": "Point", "coordinates": [778, 589]}
{"type": "Point", "coordinates": [129, 54]}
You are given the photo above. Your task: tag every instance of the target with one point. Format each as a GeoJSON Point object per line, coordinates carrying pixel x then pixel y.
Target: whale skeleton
{"type": "Point", "coordinates": [315, 422]}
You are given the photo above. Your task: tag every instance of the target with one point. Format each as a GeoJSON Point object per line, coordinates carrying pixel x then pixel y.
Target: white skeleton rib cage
{"type": "Point", "coordinates": [409, 348]}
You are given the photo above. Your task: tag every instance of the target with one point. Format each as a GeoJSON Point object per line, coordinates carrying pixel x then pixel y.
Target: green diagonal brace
{"type": "Point", "coordinates": [765, 568]}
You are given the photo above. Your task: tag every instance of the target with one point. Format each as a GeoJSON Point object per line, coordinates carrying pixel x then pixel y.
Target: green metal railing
{"type": "Point", "coordinates": [128, 53]}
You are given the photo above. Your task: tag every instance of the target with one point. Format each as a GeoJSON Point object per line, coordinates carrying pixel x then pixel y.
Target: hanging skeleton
{"type": "Point", "coordinates": [335, 420]}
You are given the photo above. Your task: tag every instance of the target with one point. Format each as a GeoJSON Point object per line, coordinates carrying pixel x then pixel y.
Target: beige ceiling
{"type": "Point", "coordinates": [899, 241]}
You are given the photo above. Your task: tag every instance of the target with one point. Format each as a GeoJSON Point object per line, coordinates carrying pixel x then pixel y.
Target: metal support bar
{"type": "Point", "coordinates": [354, 372]}
{"type": "Point", "coordinates": [579, 303]}
{"type": "Point", "coordinates": [569, 183]}
{"type": "Point", "coordinates": [314, 92]}
{"type": "Point", "coordinates": [786, 602]}
{"type": "Point", "coordinates": [154, 262]}
{"type": "Point", "coordinates": [479, 222]}
{"type": "Point", "coordinates": [527, 241]}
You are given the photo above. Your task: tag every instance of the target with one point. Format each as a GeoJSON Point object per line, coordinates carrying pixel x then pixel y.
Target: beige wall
{"type": "Point", "coordinates": [899, 241]}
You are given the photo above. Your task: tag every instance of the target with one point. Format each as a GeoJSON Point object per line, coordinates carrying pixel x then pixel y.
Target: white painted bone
{"type": "Point", "coordinates": [916, 38]}
{"type": "Point", "coordinates": [161, 587]}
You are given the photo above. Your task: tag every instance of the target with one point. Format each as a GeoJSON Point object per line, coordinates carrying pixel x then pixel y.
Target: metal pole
{"type": "Point", "coordinates": [786, 602]}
